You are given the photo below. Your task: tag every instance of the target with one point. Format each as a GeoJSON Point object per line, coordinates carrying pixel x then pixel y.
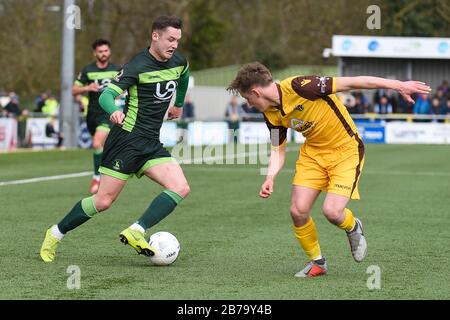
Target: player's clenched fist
{"type": "Point", "coordinates": [174, 113]}
{"type": "Point", "coordinates": [117, 117]}
{"type": "Point", "coordinates": [266, 188]}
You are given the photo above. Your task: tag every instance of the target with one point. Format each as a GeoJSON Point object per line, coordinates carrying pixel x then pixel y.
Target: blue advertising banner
{"type": "Point", "coordinates": [372, 131]}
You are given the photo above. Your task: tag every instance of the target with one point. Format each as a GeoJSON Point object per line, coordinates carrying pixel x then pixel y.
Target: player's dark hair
{"type": "Point", "coordinates": [251, 74]}
{"type": "Point", "coordinates": [100, 42]}
{"type": "Point", "coordinates": [163, 22]}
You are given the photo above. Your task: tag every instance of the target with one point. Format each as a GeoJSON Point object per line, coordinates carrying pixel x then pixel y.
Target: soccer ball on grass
{"type": "Point", "coordinates": [166, 246]}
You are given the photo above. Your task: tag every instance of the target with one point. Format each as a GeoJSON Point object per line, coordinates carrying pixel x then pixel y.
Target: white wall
{"type": "Point", "coordinates": [210, 102]}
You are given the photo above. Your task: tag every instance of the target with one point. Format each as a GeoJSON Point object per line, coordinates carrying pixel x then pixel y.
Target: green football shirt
{"type": "Point", "coordinates": [151, 85]}
{"type": "Point", "coordinates": [91, 73]}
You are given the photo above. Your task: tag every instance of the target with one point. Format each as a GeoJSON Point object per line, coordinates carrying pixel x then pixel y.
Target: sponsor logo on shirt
{"type": "Point", "coordinates": [118, 76]}
{"type": "Point", "coordinates": [166, 93]}
{"type": "Point", "coordinates": [300, 125]}
{"type": "Point", "coordinates": [304, 82]}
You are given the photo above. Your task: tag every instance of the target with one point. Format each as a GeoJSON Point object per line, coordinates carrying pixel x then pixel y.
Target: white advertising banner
{"type": "Point", "coordinates": [257, 132]}
{"type": "Point", "coordinates": [253, 133]}
{"type": "Point", "coordinates": [428, 133]}
{"type": "Point", "coordinates": [391, 47]}
{"type": "Point", "coordinates": [8, 134]}
{"type": "Point", "coordinates": [207, 133]}
{"type": "Point", "coordinates": [36, 133]}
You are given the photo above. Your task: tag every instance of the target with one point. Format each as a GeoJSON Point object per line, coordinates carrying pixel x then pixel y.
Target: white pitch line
{"type": "Point", "coordinates": [87, 173]}
{"type": "Point", "coordinates": [223, 169]}
{"type": "Point", "coordinates": [49, 178]}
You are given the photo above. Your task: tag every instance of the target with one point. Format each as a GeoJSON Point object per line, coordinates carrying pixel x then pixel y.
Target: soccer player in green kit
{"type": "Point", "coordinates": [93, 80]}
{"type": "Point", "coordinates": [133, 146]}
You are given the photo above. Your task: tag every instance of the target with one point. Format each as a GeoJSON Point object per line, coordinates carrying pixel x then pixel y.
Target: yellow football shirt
{"type": "Point", "coordinates": [309, 106]}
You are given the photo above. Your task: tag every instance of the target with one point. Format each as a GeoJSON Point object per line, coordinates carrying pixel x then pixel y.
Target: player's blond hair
{"type": "Point", "coordinates": [251, 74]}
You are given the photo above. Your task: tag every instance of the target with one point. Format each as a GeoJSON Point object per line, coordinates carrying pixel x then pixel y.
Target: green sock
{"type": "Point", "coordinates": [160, 208]}
{"type": "Point", "coordinates": [97, 160]}
{"type": "Point", "coordinates": [80, 213]}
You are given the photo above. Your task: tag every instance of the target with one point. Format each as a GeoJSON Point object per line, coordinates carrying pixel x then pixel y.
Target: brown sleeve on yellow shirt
{"type": "Point", "coordinates": [278, 134]}
{"type": "Point", "coordinates": [313, 87]}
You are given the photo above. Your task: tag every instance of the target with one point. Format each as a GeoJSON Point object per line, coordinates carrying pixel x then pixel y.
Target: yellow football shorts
{"type": "Point", "coordinates": [331, 170]}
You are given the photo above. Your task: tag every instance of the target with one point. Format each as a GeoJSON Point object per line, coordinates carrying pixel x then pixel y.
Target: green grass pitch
{"type": "Point", "coordinates": [234, 245]}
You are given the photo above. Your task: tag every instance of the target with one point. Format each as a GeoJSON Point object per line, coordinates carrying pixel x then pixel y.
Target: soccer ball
{"type": "Point", "coordinates": [166, 246]}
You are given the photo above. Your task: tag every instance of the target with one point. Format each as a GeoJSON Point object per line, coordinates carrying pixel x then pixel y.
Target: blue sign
{"type": "Point", "coordinates": [371, 133]}
{"type": "Point", "coordinates": [346, 45]}
{"type": "Point", "coordinates": [373, 45]}
{"type": "Point", "coordinates": [443, 47]}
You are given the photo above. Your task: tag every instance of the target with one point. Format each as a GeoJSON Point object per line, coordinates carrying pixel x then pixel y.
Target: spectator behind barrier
{"type": "Point", "coordinates": [383, 107]}
{"type": "Point", "coordinates": [51, 106]}
{"type": "Point", "coordinates": [12, 109]}
{"type": "Point", "coordinates": [361, 103]}
{"type": "Point", "coordinates": [40, 101]}
{"type": "Point", "coordinates": [355, 101]}
{"type": "Point", "coordinates": [403, 106]}
{"type": "Point", "coordinates": [348, 100]}
{"type": "Point", "coordinates": [187, 115]}
{"type": "Point", "coordinates": [50, 131]}
{"type": "Point", "coordinates": [249, 113]}
{"type": "Point", "coordinates": [444, 87]}
{"type": "Point", "coordinates": [389, 94]}
{"type": "Point", "coordinates": [422, 105]}
{"type": "Point", "coordinates": [234, 114]}
{"type": "Point", "coordinates": [188, 109]}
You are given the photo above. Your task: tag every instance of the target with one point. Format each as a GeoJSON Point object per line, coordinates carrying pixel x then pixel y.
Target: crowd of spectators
{"type": "Point", "coordinates": [383, 101]}
{"type": "Point", "coordinates": [389, 101]}
{"type": "Point", "coordinates": [10, 106]}
{"type": "Point", "coordinates": [45, 104]}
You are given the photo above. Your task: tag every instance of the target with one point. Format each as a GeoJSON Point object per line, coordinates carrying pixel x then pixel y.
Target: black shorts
{"type": "Point", "coordinates": [98, 121]}
{"type": "Point", "coordinates": [126, 154]}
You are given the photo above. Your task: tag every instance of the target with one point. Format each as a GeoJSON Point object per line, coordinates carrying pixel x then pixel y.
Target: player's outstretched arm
{"type": "Point", "coordinates": [405, 88]}
{"type": "Point", "coordinates": [276, 163]}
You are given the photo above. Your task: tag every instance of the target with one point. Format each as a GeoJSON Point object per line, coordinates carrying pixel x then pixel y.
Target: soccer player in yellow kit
{"type": "Point", "coordinates": [332, 157]}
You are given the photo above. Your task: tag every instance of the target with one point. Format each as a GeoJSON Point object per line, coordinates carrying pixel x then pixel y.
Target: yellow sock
{"type": "Point", "coordinates": [308, 238]}
{"type": "Point", "coordinates": [349, 221]}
